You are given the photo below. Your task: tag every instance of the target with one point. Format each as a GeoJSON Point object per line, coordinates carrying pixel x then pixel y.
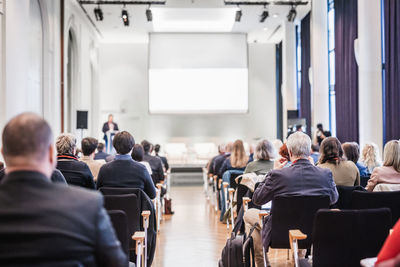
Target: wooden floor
{"type": "Point", "coordinates": [193, 236]}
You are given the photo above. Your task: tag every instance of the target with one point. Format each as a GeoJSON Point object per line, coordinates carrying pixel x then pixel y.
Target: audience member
{"type": "Point", "coordinates": [56, 176]}
{"type": "Point", "coordinates": [331, 156]}
{"type": "Point", "coordinates": [220, 159]}
{"type": "Point", "coordinates": [315, 153]}
{"type": "Point", "coordinates": [370, 157]}
{"type": "Point", "coordinates": [389, 173]}
{"type": "Point", "coordinates": [123, 171]}
{"type": "Point", "coordinates": [74, 171]}
{"type": "Point", "coordinates": [43, 223]}
{"type": "Point", "coordinates": [264, 155]}
{"type": "Point", "coordinates": [299, 128]}
{"type": "Point", "coordinates": [321, 134]}
{"type": "Point", "coordinates": [137, 155]}
{"type": "Point", "coordinates": [164, 160]}
{"type": "Point", "coordinates": [238, 159]}
{"type": "Point", "coordinates": [301, 178]}
{"type": "Point", "coordinates": [251, 155]}
{"type": "Point", "coordinates": [155, 163]}
{"type": "Point", "coordinates": [89, 145]}
{"type": "Point", "coordinates": [221, 153]}
{"type": "Point", "coordinates": [352, 152]}
{"type": "Point", "coordinates": [390, 251]}
{"type": "Point", "coordinates": [100, 153]}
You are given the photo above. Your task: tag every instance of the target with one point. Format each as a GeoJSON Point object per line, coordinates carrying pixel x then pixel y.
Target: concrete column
{"type": "Point", "coordinates": [289, 89]}
{"type": "Point", "coordinates": [319, 65]}
{"type": "Point", "coordinates": [370, 72]}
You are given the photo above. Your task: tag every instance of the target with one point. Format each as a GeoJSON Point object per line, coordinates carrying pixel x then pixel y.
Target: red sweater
{"type": "Point", "coordinates": [391, 248]}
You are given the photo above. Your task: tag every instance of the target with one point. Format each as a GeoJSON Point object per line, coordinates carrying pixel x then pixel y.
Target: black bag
{"type": "Point", "coordinates": [168, 206]}
{"type": "Point", "coordinates": [237, 250]}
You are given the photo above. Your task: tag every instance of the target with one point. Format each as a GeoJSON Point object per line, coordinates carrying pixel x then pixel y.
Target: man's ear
{"type": "Point", "coordinates": [290, 154]}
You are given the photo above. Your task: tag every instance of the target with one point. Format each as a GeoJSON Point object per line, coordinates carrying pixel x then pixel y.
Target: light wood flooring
{"type": "Point", "coordinates": [193, 236]}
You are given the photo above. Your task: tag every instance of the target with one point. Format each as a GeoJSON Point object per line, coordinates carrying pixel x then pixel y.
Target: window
{"type": "Point", "coordinates": [298, 64]}
{"type": "Point", "coordinates": [331, 66]}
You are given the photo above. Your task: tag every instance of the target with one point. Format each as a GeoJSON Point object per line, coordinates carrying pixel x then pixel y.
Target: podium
{"type": "Point", "coordinates": [109, 139]}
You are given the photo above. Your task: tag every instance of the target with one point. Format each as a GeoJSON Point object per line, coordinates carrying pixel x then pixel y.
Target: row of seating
{"type": "Point", "coordinates": [311, 222]}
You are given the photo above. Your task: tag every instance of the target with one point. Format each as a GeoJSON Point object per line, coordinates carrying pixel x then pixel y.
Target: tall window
{"type": "Point", "coordinates": [298, 63]}
{"type": "Point", "coordinates": [331, 66]}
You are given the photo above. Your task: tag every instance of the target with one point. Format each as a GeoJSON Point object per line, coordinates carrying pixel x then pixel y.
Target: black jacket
{"type": "Point", "coordinates": [75, 172]}
{"type": "Point", "coordinates": [126, 173]}
{"type": "Point", "coordinates": [156, 167]}
{"type": "Point", "coordinates": [56, 176]}
{"type": "Point", "coordinates": [43, 222]}
{"type": "Point", "coordinates": [164, 162]}
{"type": "Point", "coordinates": [101, 155]}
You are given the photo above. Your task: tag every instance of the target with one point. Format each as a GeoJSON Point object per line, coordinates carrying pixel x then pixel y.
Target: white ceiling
{"type": "Point", "coordinates": [200, 11]}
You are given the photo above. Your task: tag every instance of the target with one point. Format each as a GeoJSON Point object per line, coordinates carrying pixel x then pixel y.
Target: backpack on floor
{"type": "Point", "coordinates": [238, 251]}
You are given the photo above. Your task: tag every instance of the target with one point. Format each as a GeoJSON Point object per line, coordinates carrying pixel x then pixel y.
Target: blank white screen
{"type": "Point", "coordinates": [198, 73]}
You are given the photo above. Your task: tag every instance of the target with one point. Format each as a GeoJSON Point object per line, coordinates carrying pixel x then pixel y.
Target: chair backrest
{"type": "Point", "coordinates": [117, 190]}
{"type": "Point", "coordinates": [345, 194]}
{"type": "Point", "coordinates": [386, 187]}
{"type": "Point", "coordinates": [374, 200]}
{"type": "Point", "coordinates": [128, 204]}
{"type": "Point", "coordinates": [343, 238]}
{"type": "Point", "coordinates": [119, 221]}
{"type": "Point", "coordinates": [294, 212]}
{"type": "Point", "coordinates": [364, 180]}
{"type": "Point", "coordinates": [232, 182]}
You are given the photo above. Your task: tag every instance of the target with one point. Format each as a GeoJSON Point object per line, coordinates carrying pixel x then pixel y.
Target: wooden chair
{"type": "Point", "coordinates": [139, 237]}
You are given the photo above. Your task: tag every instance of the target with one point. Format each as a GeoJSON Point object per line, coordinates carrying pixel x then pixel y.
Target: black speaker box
{"type": "Point", "coordinates": [81, 119]}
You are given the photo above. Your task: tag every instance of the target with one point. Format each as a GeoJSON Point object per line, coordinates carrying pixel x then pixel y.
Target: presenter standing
{"type": "Point", "coordinates": [110, 128]}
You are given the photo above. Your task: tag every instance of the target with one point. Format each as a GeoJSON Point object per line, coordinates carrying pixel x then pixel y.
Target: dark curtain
{"type": "Point", "coordinates": [346, 71]}
{"type": "Point", "coordinates": [391, 94]}
{"type": "Point", "coordinates": [305, 89]}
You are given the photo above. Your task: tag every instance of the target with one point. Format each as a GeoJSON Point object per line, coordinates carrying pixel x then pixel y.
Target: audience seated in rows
{"type": "Point", "coordinates": [315, 153]}
{"type": "Point", "coordinates": [137, 155]}
{"type": "Point", "coordinates": [100, 153]}
{"type": "Point", "coordinates": [44, 223]}
{"type": "Point", "coordinates": [351, 152]}
{"type": "Point", "coordinates": [264, 155]}
{"type": "Point", "coordinates": [370, 157]}
{"type": "Point", "coordinates": [155, 163]}
{"type": "Point", "coordinates": [123, 171]}
{"type": "Point", "coordinates": [302, 178]}
{"type": "Point", "coordinates": [89, 145]}
{"type": "Point", "coordinates": [74, 171]}
{"type": "Point", "coordinates": [331, 157]}
{"type": "Point", "coordinates": [389, 173]}
{"type": "Point", "coordinates": [237, 160]}
{"type": "Point", "coordinates": [164, 160]}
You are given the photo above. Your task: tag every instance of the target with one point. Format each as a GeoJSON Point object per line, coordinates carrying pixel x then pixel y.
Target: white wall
{"type": "Point", "coordinates": [124, 92]}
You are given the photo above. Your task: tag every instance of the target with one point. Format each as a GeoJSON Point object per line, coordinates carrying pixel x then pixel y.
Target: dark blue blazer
{"type": "Point", "coordinates": [126, 173]}
{"type": "Point", "coordinates": [300, 179]}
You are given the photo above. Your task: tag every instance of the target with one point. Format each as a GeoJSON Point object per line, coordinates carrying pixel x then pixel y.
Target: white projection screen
{"type": "Point", "coordinates": [198, 73]}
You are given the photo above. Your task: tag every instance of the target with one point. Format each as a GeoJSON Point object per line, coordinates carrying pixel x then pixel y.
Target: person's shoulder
{"type": "Point", "coordinates": [72, 192]}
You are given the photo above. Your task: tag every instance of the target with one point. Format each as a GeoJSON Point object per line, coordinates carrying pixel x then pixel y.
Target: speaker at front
{"type": "Point", "coordinates": [81, 119]}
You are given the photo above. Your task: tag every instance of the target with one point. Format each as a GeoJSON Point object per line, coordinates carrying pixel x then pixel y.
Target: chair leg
{"type": "Point", "coordinates": [265, 259]}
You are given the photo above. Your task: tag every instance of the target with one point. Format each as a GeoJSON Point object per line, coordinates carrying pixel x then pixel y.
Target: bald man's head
{"type": "Point", "coordinates": [26, 136]}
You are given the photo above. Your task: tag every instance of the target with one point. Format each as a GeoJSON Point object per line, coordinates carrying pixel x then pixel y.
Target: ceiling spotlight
{"type": "Point", "coordinates": [149, 15]}
{"type": "Point", "coordinates": [98, 13]}
{"type": "Point", "coordinates": [292, 14]}
{"type": "Point", "coordinates": [238, 15]}
{"type": "Point", "coordinates": [264, 16]}
{"type": "Point", "coordinates": [125, 17]}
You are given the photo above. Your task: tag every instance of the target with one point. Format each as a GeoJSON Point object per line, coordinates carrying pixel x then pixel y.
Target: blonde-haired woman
{"type": "Point", "coordinates": [238, 159]}
{"type": "Point", "coordinates": [370, 157]}
{"type": "Point", "coordinates": [389, 173]}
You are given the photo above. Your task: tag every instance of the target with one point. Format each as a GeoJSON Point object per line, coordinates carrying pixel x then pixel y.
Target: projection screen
{"type": "Point", "coordinates": [198, 73]}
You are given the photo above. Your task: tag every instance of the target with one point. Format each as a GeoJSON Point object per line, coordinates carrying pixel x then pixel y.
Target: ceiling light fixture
{"type": "Point", "coordinates": [149, 14]}
{"type": "Point", "coordinates": [292, 14]}
{"type": "Point", "coordinates": [98, 13]}
{"type": "Point", "coordinates": [125, 17]}
{"type": "Point", "coordinates": [264, 15]}
{"type": "Point", "coordinates": [238, 15]}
